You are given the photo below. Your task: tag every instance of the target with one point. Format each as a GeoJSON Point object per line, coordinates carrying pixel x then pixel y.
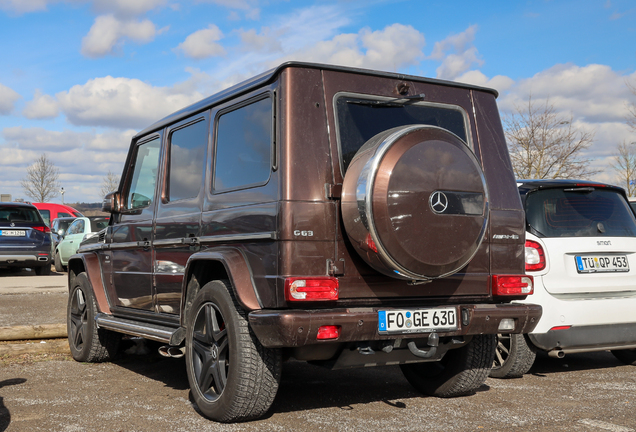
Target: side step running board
{"type": "Point", "coordinates": [170, 335]}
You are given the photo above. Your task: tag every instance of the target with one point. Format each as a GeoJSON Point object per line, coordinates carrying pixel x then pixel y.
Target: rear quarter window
{"type": "Point", "coordinates": [582, 212]}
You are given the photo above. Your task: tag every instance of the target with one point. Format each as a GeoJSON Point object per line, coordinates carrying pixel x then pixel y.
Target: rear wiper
{"type": "Point", "coordinates": [397, 102]}
{"type": "Point", "coordinates": [586, 189]}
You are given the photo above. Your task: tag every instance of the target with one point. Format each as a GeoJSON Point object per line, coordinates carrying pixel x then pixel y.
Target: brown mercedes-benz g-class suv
{"type": "Point", "coordinates": [340, 216]}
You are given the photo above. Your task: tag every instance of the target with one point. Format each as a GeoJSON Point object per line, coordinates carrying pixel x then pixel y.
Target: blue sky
{"type": "Point", "coordinates": [79, 77]}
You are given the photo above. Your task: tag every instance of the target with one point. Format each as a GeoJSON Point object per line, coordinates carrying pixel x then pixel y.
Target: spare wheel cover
{"type": "Point", "coordinates": [419, 194]}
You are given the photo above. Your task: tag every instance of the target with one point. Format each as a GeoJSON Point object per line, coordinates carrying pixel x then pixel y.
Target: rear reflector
{"type": "Point", "coordinates": [311, 289]}
{"type": "Point", "coordinates": [512, 285]}
{"type": "Point", "coordinates": [43, 229]}
{"type": "Point", "coordinates": [535, 257]}
{"type": "Point", "coordinates": [566, 327]}
{"type": "Point", "coordinates": [371, 244]}
{"type": "Point", "coordinates": [328, 332]}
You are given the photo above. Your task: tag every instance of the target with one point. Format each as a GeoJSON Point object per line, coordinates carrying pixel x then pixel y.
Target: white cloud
{"type": "Point", "coordinates": [500, 83]}
{"type": "Point", "coordinates": [127, 8]}
{"type": "Point", "coordinates": [41, 107]}
{"type": "Point", "coordinates": [124, 102]}
{"type": "Point", "coordinates": [248, 7]}
{"type": "Point", "coordinates": [457, 53]}
{"type": "Point", "coordinates": [83, 158]}
{"type": "Point", "coordinates": [594, 93]}
{"type": "Point", "coordinates": [265, 41]}
{"type": "Point", "coordinates": [8, 98]}
{"type": "Point", "coordinates": [109, 33]}
{"type": "Point", "coordinates": [203, 43]}
{"type": "Point", "coordinates": [394, 47]}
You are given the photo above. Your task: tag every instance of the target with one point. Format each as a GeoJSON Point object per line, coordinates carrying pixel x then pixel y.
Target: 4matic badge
{"type": "Point", "coordinates": [438, 202]}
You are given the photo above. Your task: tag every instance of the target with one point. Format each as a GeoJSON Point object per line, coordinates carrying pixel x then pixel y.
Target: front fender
{"type": "Point", "coordinates": [89, 263]}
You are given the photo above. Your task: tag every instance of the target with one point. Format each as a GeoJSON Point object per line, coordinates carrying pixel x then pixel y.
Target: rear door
{"type": "Point", "coordinates": [590, 239]}
{"type": "Point", "coordinates": [178, 217]}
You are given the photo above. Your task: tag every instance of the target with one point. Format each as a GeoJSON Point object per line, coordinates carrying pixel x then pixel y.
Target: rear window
{"type": "Point", "coordinates": [19, 214]}
{"type": "Point", "coordinates": [361, 118]}
{"type": "Point", "coordinates": [579, 212]}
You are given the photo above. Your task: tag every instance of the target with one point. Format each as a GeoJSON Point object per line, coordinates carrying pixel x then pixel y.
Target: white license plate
{"type": "Point", "coordinates": [13, 233]}
{"type": "Point", "coordinates": [601, 263]}
{"type": "Point", "coordinates": [417, 320]}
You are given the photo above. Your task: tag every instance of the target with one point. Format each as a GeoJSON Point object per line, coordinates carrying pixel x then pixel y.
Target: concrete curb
{"type": "Point", "coordinates": [54, 346]}
{"type": "Point", "coordinates": [44, 331]}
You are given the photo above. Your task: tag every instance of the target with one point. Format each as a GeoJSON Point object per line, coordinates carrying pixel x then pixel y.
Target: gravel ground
{"type": "Point", "coordinates": [33, 308]}
{"type": "Point", "coordinates": [582, 392]}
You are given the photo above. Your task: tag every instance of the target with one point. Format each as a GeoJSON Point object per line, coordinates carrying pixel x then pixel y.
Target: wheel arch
{"type": "Point", "coordinates": [89, 263]}
{"type": "Point", "coordinates": [218, 264]}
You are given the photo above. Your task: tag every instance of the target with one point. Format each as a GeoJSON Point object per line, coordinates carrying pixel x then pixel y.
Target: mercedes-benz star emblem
{"type": "Point", "coordinates": [438, 202]}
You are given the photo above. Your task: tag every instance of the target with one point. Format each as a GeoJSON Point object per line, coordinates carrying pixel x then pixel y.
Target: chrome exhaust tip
{"type": "Point", "coordinates": [556, 353]}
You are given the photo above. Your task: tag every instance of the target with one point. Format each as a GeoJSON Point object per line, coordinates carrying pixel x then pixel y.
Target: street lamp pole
{"type": "Point", "coordinates": [62, 192]}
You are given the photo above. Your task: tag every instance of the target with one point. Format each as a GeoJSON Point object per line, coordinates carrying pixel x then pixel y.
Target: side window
{"type": "Point", "coordinates": [187, 158]}
{"type": "Point", "coordinates": [74, 228]}
{"type": "Point", "coordinates": [244, 146]}
{"type": "Point", "coordinates": [46, 215]}
{"type": "Point", "coordinates": [142, 185]}
{"type": "Point", "coordinates": [62, 214]}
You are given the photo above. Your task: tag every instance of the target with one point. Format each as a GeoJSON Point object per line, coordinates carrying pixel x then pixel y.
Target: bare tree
{"type": "Point", "coordinates": [625, 166]}
{"type": "Point", "coordinates": [631, 118]}
{"type": "Point", "coordinates": [41, 182]}
{"type": "Point", "coordinates": [110, 183]}
{"type": "Point", "coordinates": [544, 144]}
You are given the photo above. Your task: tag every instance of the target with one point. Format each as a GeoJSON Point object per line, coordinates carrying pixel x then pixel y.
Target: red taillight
{"type": "Point", "coordinates": [512, 285]}
{"type": "Point", "coordinates": [311, 289]}
{"type": "Point", "coordinates": [328, 332]}
{"type": "Point", "coordinates": [535, 257]}
{"type": "Point", "coordinates": [43, 229]}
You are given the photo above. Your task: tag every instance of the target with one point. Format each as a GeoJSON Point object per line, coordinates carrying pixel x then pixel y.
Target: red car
{"type": "Point", "coordinates": [50, 211]}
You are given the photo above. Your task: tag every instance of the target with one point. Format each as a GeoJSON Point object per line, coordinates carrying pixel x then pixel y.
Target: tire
{"type": "Point", "coordinates": [627, 356]}
{"type": "Point", "coordinates": [232, 376]}
{"type": "Point", "coordinates": [460, 372]}
{"type": "Point", "coordinates": [514, 356]}
{"type": "Point", "coordinates": [58, 263]}
{"type": "Point", "coordinates": [43, 270]}
{"type": "Point", "coordinates": [87, 342]}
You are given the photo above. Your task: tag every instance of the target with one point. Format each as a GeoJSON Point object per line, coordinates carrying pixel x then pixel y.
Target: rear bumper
{"type": "Point", "coordinates": [27, 259]}
{"type": "Point", "coordinates": [295, 328]}
{"type": "Point", "coordinates": [587, 338]}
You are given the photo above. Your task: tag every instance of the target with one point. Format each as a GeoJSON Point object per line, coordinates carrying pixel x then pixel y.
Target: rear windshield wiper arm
{"type": "Point", "coordinates": [397, 102]}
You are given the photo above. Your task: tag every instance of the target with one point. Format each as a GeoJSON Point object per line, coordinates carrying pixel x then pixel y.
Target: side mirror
{"type": "Point", "coordinates": [111, 203]}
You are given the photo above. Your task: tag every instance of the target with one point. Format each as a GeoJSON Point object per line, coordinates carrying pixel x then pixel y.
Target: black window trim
{"type": "Point", "coordinates": [268, 94]}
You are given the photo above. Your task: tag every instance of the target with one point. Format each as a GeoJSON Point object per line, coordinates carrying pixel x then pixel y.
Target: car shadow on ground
{"type": "Point", "coordinates": [303, 386]}
{"type": "Point", "coordinates": [545, 365]}
{"type": "Point", "coordinates": [24, 272]}
{"type": "Point", "coordinates": [5, 415]}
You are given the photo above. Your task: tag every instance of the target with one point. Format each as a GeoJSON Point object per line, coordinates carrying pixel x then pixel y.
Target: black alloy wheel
{"type": "Point", "coordinates": [211, 358]}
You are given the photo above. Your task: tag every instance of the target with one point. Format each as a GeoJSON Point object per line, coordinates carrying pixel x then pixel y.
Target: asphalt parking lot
{"type": "Point", "coordinates": [142, 391]}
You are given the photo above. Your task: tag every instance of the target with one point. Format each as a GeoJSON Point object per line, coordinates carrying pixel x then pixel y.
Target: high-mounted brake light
{"type": "Point", "coordinates": [311, 289]}
{"type": "Point", "coordinates": [43, 229]}
{"type": "Point", "coordinates": [512, 285]}
{"type": "Point", "coordinates": [535, 257]}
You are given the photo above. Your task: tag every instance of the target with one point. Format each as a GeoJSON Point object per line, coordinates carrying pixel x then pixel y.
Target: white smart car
{"type": "Point", "coordinates": [581, 250]}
